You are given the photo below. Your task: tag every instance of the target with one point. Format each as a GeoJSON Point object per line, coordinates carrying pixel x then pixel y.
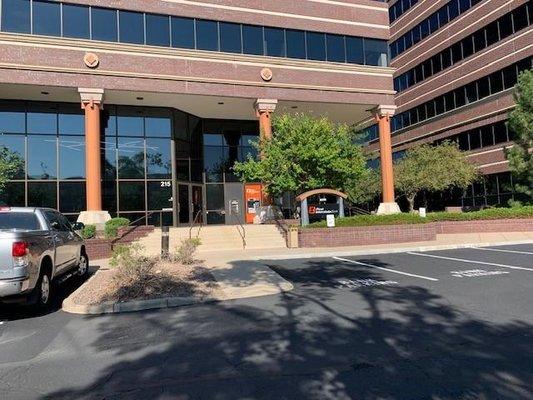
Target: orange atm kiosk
{"type": "Point", "coordinates": [253, 197]}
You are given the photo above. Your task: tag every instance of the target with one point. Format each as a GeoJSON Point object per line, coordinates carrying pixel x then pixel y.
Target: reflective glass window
{"type": "Point", "coordinates": [158, 126]}
{"type": "Point", "coordinates": [131, 27]}
{"type": "Point", "coordinates": [453, 9]}
{"type": "Point", "coordinates": [335, 48]}
{"type": "Point", "coordinates": [15, 144]}
{"type": "Point", "coordinates": [295, 44]}
{"type": "Point", "coordinates": [443, 16]}
{"type": "Point", "coordinates": [491, 31]}
{"type": "Point", "coordinates": [182, 32]}
{"type": "Point", "coordinates": [46, 18]}
{"type": "Point", "coordinates": [42, 119]}
{"type": "Point", "coordinates": [104, 24]}
{"type": "Point", "coordinates": [159, 196]}
{"type": "Point", "coordinates": [464, 5]}
{"type": "Point", "coordinates": [206, 35]}
{"type": "Point", "coordinates": [131, 196]}
{"type": "Point", "coordinates": [157, 30]}
{"type": "Point", "coordinates": [354, 50]}
{"type": "Point", "coordinates": [13, 195]}
{"type": "Point", "coordinates": [158, 160]}
{"type": "Point", "coordinates": [12, 119]}
{"type": "Point", "coordinates": [252, 37]}
{"type": "Point", "coordinates": [130, 158]}
{"type": "Point", "coordinates": [16, 16]}
{"type": "Point", "coordinates": [42, 194]}
{"type": "Point", "coordinates": [71, 157]}
{"type": "Point", "coordinates": [316, 46]}
{"type": "Point", "coordinates": [109, 148]}
{"type": "Point", "coordinates": [275, 42]}
{"type": "Point", "coordinates": [214, 163]}
{"type": "Point", "coordinates": [42, 157]}
{"type": "Point", "coordinates": [375, 52]}
{"type": "Point", "coordinates": [230, 37]}
{"type": "Point", "coordinates": [72, 197]}
{"type": "Point", "coordinates": [76, 21]}
{"type": "Point", "coordinates": [433, 22]}
{"type": "Point", "coordinates": [71, 120]}
{"type": "Point", "coordinates": [129, 124]}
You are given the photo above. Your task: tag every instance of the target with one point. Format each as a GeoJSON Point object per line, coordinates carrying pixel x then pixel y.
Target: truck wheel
{"type": "Point", "coordinates": [43, 290]}
{"type": "Point", "coordinates": [83, 266]}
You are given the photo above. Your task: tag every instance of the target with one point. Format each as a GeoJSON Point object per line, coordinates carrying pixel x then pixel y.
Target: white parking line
{"type": "Point", "coordinates": [469, 261]}
{"type": "Point", "coordinates": [504, 251]}
{"type": "Point", "coordinates": [385, 269]}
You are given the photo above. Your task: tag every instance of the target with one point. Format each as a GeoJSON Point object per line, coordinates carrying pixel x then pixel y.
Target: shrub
{"type": "Point", "coordinates": [88, 231]}
{"type": "Point", "coordinates": [186, 251]}
{"type": "Point", "coordinates": [111, 226]}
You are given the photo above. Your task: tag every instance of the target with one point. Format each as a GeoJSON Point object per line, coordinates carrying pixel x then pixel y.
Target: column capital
{"type": "Point", "coordinates": [384, 111]}
{"type": "Point", "coordinates": [91, 96]}
{"type": "Point", "coordinates": [265, 105]}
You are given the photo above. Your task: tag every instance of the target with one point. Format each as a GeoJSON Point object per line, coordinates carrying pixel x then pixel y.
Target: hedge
{"type": "Point", "coordinates": [405, 219]}
{"type": "Point", "coordinates": [111, 226]}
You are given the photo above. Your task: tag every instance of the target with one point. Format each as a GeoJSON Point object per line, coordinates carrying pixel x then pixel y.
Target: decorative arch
{"type": "Point", "coordinates": [310, 193]}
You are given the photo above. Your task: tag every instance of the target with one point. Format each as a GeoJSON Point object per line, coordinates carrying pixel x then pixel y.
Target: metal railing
{"type": "Point", "coordinates": [194, 222]}
{"type": "Point", "coordinates": [240, 228]}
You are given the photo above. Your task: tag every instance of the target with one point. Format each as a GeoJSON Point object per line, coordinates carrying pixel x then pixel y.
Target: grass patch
{"type": "Point", "coordinates": [407, 219]}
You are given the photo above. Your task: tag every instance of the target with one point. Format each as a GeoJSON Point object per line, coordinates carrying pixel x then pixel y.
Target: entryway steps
{"type": "Point", "coordinates": [219, 238]}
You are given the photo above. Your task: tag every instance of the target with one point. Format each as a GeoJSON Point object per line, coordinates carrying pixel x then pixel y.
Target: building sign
{"type": "Point", "coordinates": [319, 212]}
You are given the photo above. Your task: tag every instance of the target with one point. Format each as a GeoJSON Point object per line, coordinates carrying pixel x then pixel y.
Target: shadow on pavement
{"type": "Point", "coordinates": [395, 342]}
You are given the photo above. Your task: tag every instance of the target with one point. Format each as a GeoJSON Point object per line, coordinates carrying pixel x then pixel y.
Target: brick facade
{"type": "Point", "coordinates": [102, 248]}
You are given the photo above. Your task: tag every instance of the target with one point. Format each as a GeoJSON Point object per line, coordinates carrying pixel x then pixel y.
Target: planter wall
{"type": "Point", "coordinates": [103, 248]}
{"type": "Point", "coordinates": [496, 225]}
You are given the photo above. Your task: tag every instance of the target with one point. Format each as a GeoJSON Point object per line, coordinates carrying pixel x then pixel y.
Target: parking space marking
{"type": "Point", "coordinates": [475, 273]}
{"type": "Point", "coordinates": [504, 251]}
{"type": "Point", "coordinates": [385, 269]}
{"type": "Point", "coordinates": [469, 261]}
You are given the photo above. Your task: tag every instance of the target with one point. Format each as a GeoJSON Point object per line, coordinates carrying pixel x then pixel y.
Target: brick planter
{"type": "Point", "coordinates": [495, 225]}
{"type": "Point", "coordinates": [103, 248]}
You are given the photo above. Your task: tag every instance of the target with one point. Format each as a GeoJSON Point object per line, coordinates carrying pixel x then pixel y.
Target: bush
{"type": "Point", "coordinates": [187, 250]}
{"type": "Point", "coordinates": [111, 226]}
{"type": "Point", "coordinates": [88, 231]}
{"type": "Point", "coordinates": [403, 219]}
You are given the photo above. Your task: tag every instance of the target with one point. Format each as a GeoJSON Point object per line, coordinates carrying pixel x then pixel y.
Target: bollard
{"type": "Point", "coordinates": [165, 239]}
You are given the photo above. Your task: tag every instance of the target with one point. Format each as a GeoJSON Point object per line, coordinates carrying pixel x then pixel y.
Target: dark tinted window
{"type": "Point", "coordinates": [492, 33]}
{"type": "Point", "coordinates": [183, 32]}
{"type": "Point", "coordinates": [316, 46]}
{"type": "Point", "coordinates": [131, 27]}
{"type": "Point", "coordinates": [376, 52]}
{"type": "Point", "coordinates": [75, 21]}
{"type": "Point", "coordinates": [157, 30]}
{"type": "Point", "coordinates": [295, 44]}
{"type": "Point", "coordinates": [275, 42]}
{"type": "Point", "coordinates": [19, 220]}
{"type": "Point", "coordinates": [506, 25]}
{"type": "Point", "coordinates": [335, 48]}
{"type": "Point", "coordinates": [71, 157]}
{"type": "Point", "coordinates": [252, 37]}
{"type": "Point", "coordinates": [206, 35]}
{"type": "Point", "coordinates": [42, 194]}
{"type": "Point", "coordinates": [230, 37]}
{"type": "Point", "coordinates": [46, 18]}
{"type": "Point", "coordinates": [471, 92]}
{"type": "Point", "coordinates": [104, 24]}
{"type": "Point", "coordinates": [354, 50]}
{"type": "Point", "coordinates": [16, 16]}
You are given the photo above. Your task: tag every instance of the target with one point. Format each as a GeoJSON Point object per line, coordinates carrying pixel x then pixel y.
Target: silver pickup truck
{"type": "Point", "coordinates": [38, 247]}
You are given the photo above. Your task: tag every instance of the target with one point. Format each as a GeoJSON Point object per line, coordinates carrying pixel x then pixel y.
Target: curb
{"type": "Point", "coordinates": [109, 307]}
{"type": "Point", "coordinates": [328, 254]}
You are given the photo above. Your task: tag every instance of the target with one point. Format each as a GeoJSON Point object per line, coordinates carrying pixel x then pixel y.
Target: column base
{"type": "Point", "coordinates": [388, 208]}
{"type": "Point", "coordinates": [98, 218]}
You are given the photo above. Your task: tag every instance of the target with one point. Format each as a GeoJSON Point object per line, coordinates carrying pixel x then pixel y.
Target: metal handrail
{"type": "Point", "coordinates": [358, 210]}
{"type": "Point", "coordinates": [193, 223]}
{"type": "Point", "coordinates": [241, 225]}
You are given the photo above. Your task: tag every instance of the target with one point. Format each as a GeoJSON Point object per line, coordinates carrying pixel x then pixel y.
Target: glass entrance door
{"type": "Point", "coordinates": [184, 213]}
{"type": "Point", "coordinates": [190, 203]}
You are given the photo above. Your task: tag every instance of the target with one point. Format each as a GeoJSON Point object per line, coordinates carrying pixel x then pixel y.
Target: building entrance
{"type": "Point", "coordinates": [190, 204]}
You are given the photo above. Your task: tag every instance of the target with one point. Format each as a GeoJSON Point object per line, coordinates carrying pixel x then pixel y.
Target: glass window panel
{"type": "Point", "coordinates": [500, 133]}
{"type": "Point", "coordinates": [491, 31]}
{"type": "Point", "coordinates": [130, 125]}
{"type": "Point", "coordinates": [42, 157]}
{"type": "Point", "coordinates": [457, 54]}
{"type": "Point", "coordinates": [491, 184]}
{"type": "Point", "coordinates": [109, 148]}
{"type": "Point", "coordinates": [449, 99]}
{"type": "Point", "coordinates": [430, 109]}
{"type": "Point", "coordinates": [159, 196]}
{"type": "Point", "coordinates": [464, 5]}
{"type": "Point", "coordinates": [158, 126]}
{"type": "Point", "coordinates": [453, 9]}
{"type": "Point", "coordinates": [487, 137]}
{"type": "Point", "coordinates": [424, 28]}
{"type": "Point", "coordinates": [479, 40]}
{"type": "Point", "coordinates": [157, 30]}
{"type": "Point", "coordinates": [206, 35]}
{"type": "Point", "coordinates": [295, 44]}
{"type": "Point", "coordinates": [17, 150]}
{"type": "Point", "coordinates": [506, 25]}
{"type": "Point", "coordinates": [483, 87]}
{"type": "Point", "coordinates": [335, 48]}
{"type": "Point", "coordinates": [13, 194]}
{"type": "Point", "coordinates": [12, 119]}
{"type": "Point", "coordinates": [215, 197]}
{"type": "Point", "coordinates": [252, 37]}
{"type": "Point", "coordinates": [468, 46]}
{"type": "Point", "coordinates": [275, 42]}
{"type": "Point", "coordinates": [72, 197]}
{"type": "Point", "coordinates": [182, 170]}
{"type": "Point", "coordinates": [42, 194]}
{"type": "Point", "coordinates": [196, 171]}
{"type": "Point", "coordinates": [183, 32]}
{"type": "Point", "coordinates": [16, 16]}
{"type": "Point", "coordinates": [213, 139]}
{"type": "Point", "coordinates": [76, 21]}
{"type": "Point", "coordinates": [131, 27]}
{"type": "Point", "coordinates": [230, 37]}
{"type": "Point", "coordinates": [376, 52]}
{"type": "Point", "coordinates": [426, 69]}
{"type": "Point", "coordinates": [471, 92]}
{"type": "Point", "coordinates": [131, 196]}
{"type": "Point", "coordinates": [104, 24]}
{"type": "Point", "coordinates": [443, 16]}
{"type": "Point", "coordinates": [446, 57]}
{"type": "Point", "coordinates": [214, 163]}
{"type": "Point", "coordinates": [130, 158]}
{"type": "Point", "coordinates": [416, 34]}
{"type": "Point", "coordinates": [460, 99]}
{"type": "Point", "coordinates": [439, 105]}
{"type": "Point", "coordinates": [42, 119]}
{"type": "Point", "coordinates": [109, 198]}
{"type": "Point", "coordinates": [71, 157]}
{"type": "Point", "coordinates": [496, 82]}
{"type": "Point", "coordinates": [475, 140]}
{"type": "Point", "coordinates": [509, 76]}
{"type": "Point", "coordinates": [422, 112]}
{"type": "Point", "coordinates": [436, 63]}
{"type": "Point", "coordinates": [71, 120]}
{"type": "Point", "coordinates": [434, 22]}
{"type": "Point", "coordinates": [520, 18]}
{"type": "Point", "coordinates": [316, 46]}
{"type": "Point", "coordinates": [463, 142]}
{"type": "Point", "coordinates": [158, 160]}
{"type": "Point", "coordinates": [46, 18]}
{"type": "Point", "coordinates": [354, 50]}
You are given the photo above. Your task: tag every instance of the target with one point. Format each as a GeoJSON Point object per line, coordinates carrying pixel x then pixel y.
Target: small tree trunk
{"type": "Point", "coordinates": [411, 201]}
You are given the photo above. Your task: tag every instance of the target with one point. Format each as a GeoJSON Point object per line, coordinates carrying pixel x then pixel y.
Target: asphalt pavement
{"type": "Point", "coordinates": [453, 324]}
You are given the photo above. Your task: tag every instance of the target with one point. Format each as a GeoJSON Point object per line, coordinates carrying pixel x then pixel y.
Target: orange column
{"type": "Point", "coordinates": [265, 124]}
{"type": "Point", "coordinates": [92, 155]}
{"type": "Point", "coordinates": [385, 148]}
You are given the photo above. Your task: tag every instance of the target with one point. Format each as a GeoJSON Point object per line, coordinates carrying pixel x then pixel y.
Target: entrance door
{"type": "Point", "coordinates": [190, 204]}
{"type": "Point", "coordinates": [184, 209]}
{"type": "Point", "coordinates": [197, 203]}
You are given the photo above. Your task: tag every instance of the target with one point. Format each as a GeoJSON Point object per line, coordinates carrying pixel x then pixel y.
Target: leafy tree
{"type": "Point", "coordinates": [366, 188]}
{"type": "Point", "coordinates": [11, 164]}
{"type": "Point", "coordinates": [434, 169]}
{"type": "Point", "coordinates": [521, 122]}
{"type": "Point", "coordinates": [305, 153]}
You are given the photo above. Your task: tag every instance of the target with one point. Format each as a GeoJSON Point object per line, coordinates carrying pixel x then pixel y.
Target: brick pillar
{"type": "Point", "coordinates": [263, 109]}
{"type": "Point", "coordinates": [383, 115]}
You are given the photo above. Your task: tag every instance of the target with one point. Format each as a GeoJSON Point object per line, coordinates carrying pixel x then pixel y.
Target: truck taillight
{"type": "Point", "coordinates": [20, 249]}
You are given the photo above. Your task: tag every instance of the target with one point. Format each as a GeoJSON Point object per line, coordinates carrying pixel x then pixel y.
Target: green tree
{"type": "Point", "coordinates": [521, 122]}
{"type": "Point", "coordinates": [305, 153]}
{"type": "Point", "coordinates": [366, 188]}
{"type": "Point", "coordinates": [11, 164]}
{"type": "Point", "coordinates": [433, 169]}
